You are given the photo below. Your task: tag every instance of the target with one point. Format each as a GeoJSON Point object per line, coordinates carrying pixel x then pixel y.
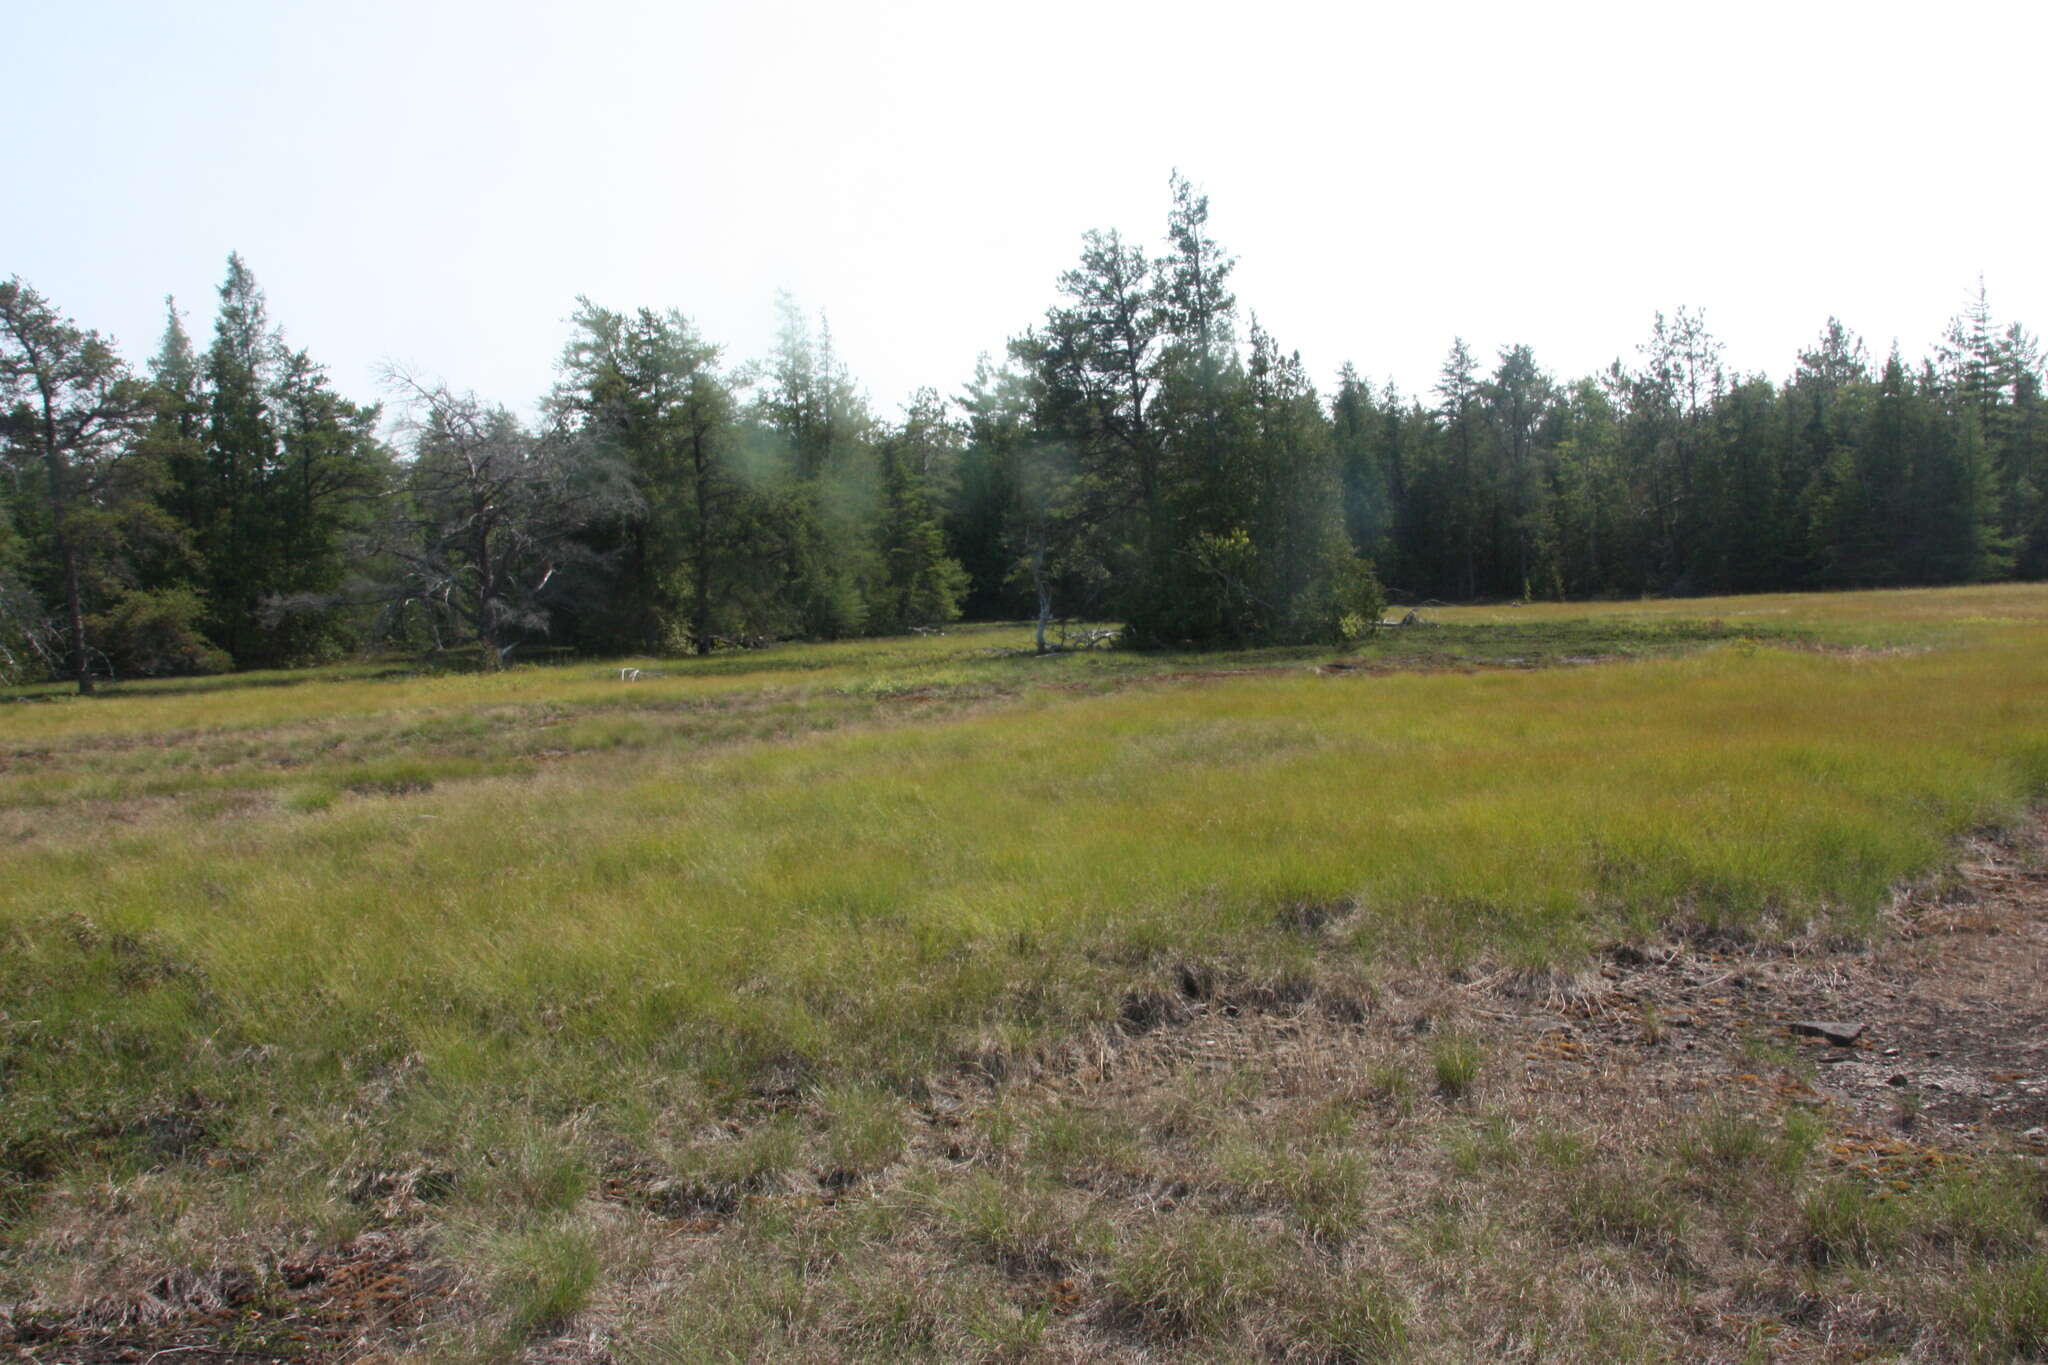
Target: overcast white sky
{"type": "Point", "coordinates": [436, 182]}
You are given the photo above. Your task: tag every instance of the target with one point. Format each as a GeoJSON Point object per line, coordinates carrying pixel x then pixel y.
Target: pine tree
{"type": "Point", "coordinates": [237, 538]}
{"type": "Point", "coordinates": [1460, 502]}
{"type": "Point", "coordinates": [178, 433]}
{"type": "Point", "coordinates": [1516, 402]}
{"type": "Point", "coordinates": [813, 460]}
{"type": "Point", "coordinates": [1955, 490]}
{"type": "Point", "coordinates": [70, 414]}
{"type": "Point", "coordinates": [647, 390]}
{"type": "Point", "coordinates": [291, 473]}
{"type": "Point", "coordinates": [921, 584]}
{"type": "Point", "coordinates": [1359, 435]}
{"type": "Point", "coordinates": [980, 515]}
{"type": "Point", "coordinates": [1599, 519]}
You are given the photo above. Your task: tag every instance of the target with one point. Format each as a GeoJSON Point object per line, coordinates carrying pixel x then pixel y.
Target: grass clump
{"type": "Point", "coordinates": [716, 1174]}
{"type": "Point", "coordinates": [1972, 1211]}
{"type": "Point", "coordinates": [1727, 1138]}
{"type": "Point", "coordinates": [532, 1171]}
{"type": "Point", "coordinates": [864, 1130]}
{"type": "Point", "coordinates": [1456, 1060]}
{"type": "Point", "coordinates": [2001, 1311]}
{"type": "Point", "coordinates": [1622, 1205]}
{"type": "Point", "coordinates": [544, 1277]}
{"type": "Point", "coordinates": [1074, 1141]}
{"type": "Point", "coordinates": [1846, 1222]}
{"type": "Point", "coordinates": [1351, 1318]}
{"type": "Point", "coordinates": [1022, 1227]}
{"type": "Point", "coordinates": [1391, 1084]}
{"type": "Point", "coordinates": [1322, 1188]}
{"type": "Point", "coordinates": [1193, 1275]}
{"type": "Point", "coordinates": [1983, 1211]}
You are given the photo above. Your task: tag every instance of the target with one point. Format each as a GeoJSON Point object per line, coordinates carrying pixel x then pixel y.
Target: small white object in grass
{"type": "Point", "coordinates": [629, 675]}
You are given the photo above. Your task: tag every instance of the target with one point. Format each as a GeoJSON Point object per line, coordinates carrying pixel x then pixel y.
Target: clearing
{"type": "Point", "coordinates": [925, 999]}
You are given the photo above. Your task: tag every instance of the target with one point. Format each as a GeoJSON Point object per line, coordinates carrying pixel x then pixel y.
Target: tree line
{"type": "Point", "coordinates": [1144, 453]}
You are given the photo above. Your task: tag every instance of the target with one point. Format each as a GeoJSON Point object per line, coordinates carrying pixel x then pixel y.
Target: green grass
{"type": "Point", "coordinates": [545, 923]}
{"type": "Point", "coordinates": [543, 1277]}
{"type": "Point", "coordinates": [1456, 1061]}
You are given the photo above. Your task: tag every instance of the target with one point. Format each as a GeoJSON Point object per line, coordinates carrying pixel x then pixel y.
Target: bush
{"type": "Point", "coordinates": [1345, 604]}
{"type": "Point", "coordinates": [1230, 591]}
{"type": "Point", "coordinates": [150, 634]}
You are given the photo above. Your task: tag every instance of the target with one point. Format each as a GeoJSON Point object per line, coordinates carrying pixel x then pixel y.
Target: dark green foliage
{"type": "Point", "coordinates": [69, 415]}
{"type": "Point", "coordinates": [284, 476]}
{"type": "Point", "coordinates": [646, 390]}
{"type": "Point", "coordinates": [148, 632]}
{"type": "Point", "coordinates": [1678, 477]}
{"type": "Point", "coordinates": [1199, 480]}
{"type": "Point", "coordinates": [921, 584]}
{"type": "Point", "coordinates": [985, 511]}
{"type": "Point", "coordinates": [1145, 456]}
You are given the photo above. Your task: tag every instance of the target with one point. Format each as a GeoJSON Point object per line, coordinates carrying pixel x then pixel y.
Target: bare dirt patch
{"type": "Point", "coordinates": [340, 1303]}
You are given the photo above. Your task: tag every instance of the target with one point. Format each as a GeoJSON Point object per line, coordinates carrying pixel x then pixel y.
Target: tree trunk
{"type": "Point", "coordinates": [54, 468]}
{"type": "Point", "coordinates": [74, 616]}
{"type": "Point", "coordinates": [700, 606]}
{"type": "Point", "coordinates": [486, 591]}
{"type": "Point", "coordinates": [1039, 584]}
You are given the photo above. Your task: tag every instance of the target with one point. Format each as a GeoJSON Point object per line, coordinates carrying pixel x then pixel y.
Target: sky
{"type": "Point", "coordinates": [434, 184]}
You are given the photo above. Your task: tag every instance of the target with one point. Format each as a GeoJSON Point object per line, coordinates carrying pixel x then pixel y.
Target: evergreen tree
{"type": "Point", "coordinates": [1749, 538]}
{"type": "Point", "coordinates": [236, 537]}
{"type": "Point", "coordinates": [812, 457]}
{"type": "Point", "coordinates": [177, 438]}
{"type": "Point", "coordinates": [1516, 403]}
{"type": "Point", "coordinates": [291, 473]}
{"type": "Point", "coordinates": [1094, 375]}
{"type": "Point", "coordinates": [981, 514]}
{"type": "Point", "coordinates": [921, 584]}
{"type": "Point", "coordinates": [1460, 505]}
{"type": "Point", "coordinates": [647, 390]}
{"type": "Point", "coordinates": [1359, 435]}
{"type": "Point", "coordinates": [1599, 512]}
{"type": "Point", "coordinates": [70, 413]}
{"type": "Point", "coordinates": [1666, 426]}
{"type": "Point", "coordinates": [2026, 452]}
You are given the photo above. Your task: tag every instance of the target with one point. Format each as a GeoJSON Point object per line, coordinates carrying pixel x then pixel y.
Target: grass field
{"type": "Point", "coordinates": [721, 1012]}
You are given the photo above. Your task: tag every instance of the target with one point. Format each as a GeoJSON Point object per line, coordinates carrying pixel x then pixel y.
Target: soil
{"type": "Point", "coordinates": [336, 1304]}
{"type": "Point", "coordinates": [1953, 1046]}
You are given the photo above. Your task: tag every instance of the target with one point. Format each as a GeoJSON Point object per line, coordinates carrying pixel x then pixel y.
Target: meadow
{"type": "Point", "coordinates": [768, 1004]}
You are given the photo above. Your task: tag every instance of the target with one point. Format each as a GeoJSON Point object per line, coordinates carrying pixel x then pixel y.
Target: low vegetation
{"type": "Point", "coordinates": [931, 998]}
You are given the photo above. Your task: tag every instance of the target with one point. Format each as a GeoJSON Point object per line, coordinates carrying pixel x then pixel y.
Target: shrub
{"type": "Point", "coordinates": [156, 633]}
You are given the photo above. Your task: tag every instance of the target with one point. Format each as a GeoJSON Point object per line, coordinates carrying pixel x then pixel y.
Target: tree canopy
{"type": "Point", "coordinates": [1145, 453]}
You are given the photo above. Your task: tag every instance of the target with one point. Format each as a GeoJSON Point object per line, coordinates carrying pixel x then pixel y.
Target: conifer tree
{"type": "Point", "coordinates": [70, 413]}
{"type": "Point", "coordinates": [292, 470]}
{"type": "Point", "coordinates": [1359, 435]}
{"type": "Point", "coordinates": [921, 584]}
